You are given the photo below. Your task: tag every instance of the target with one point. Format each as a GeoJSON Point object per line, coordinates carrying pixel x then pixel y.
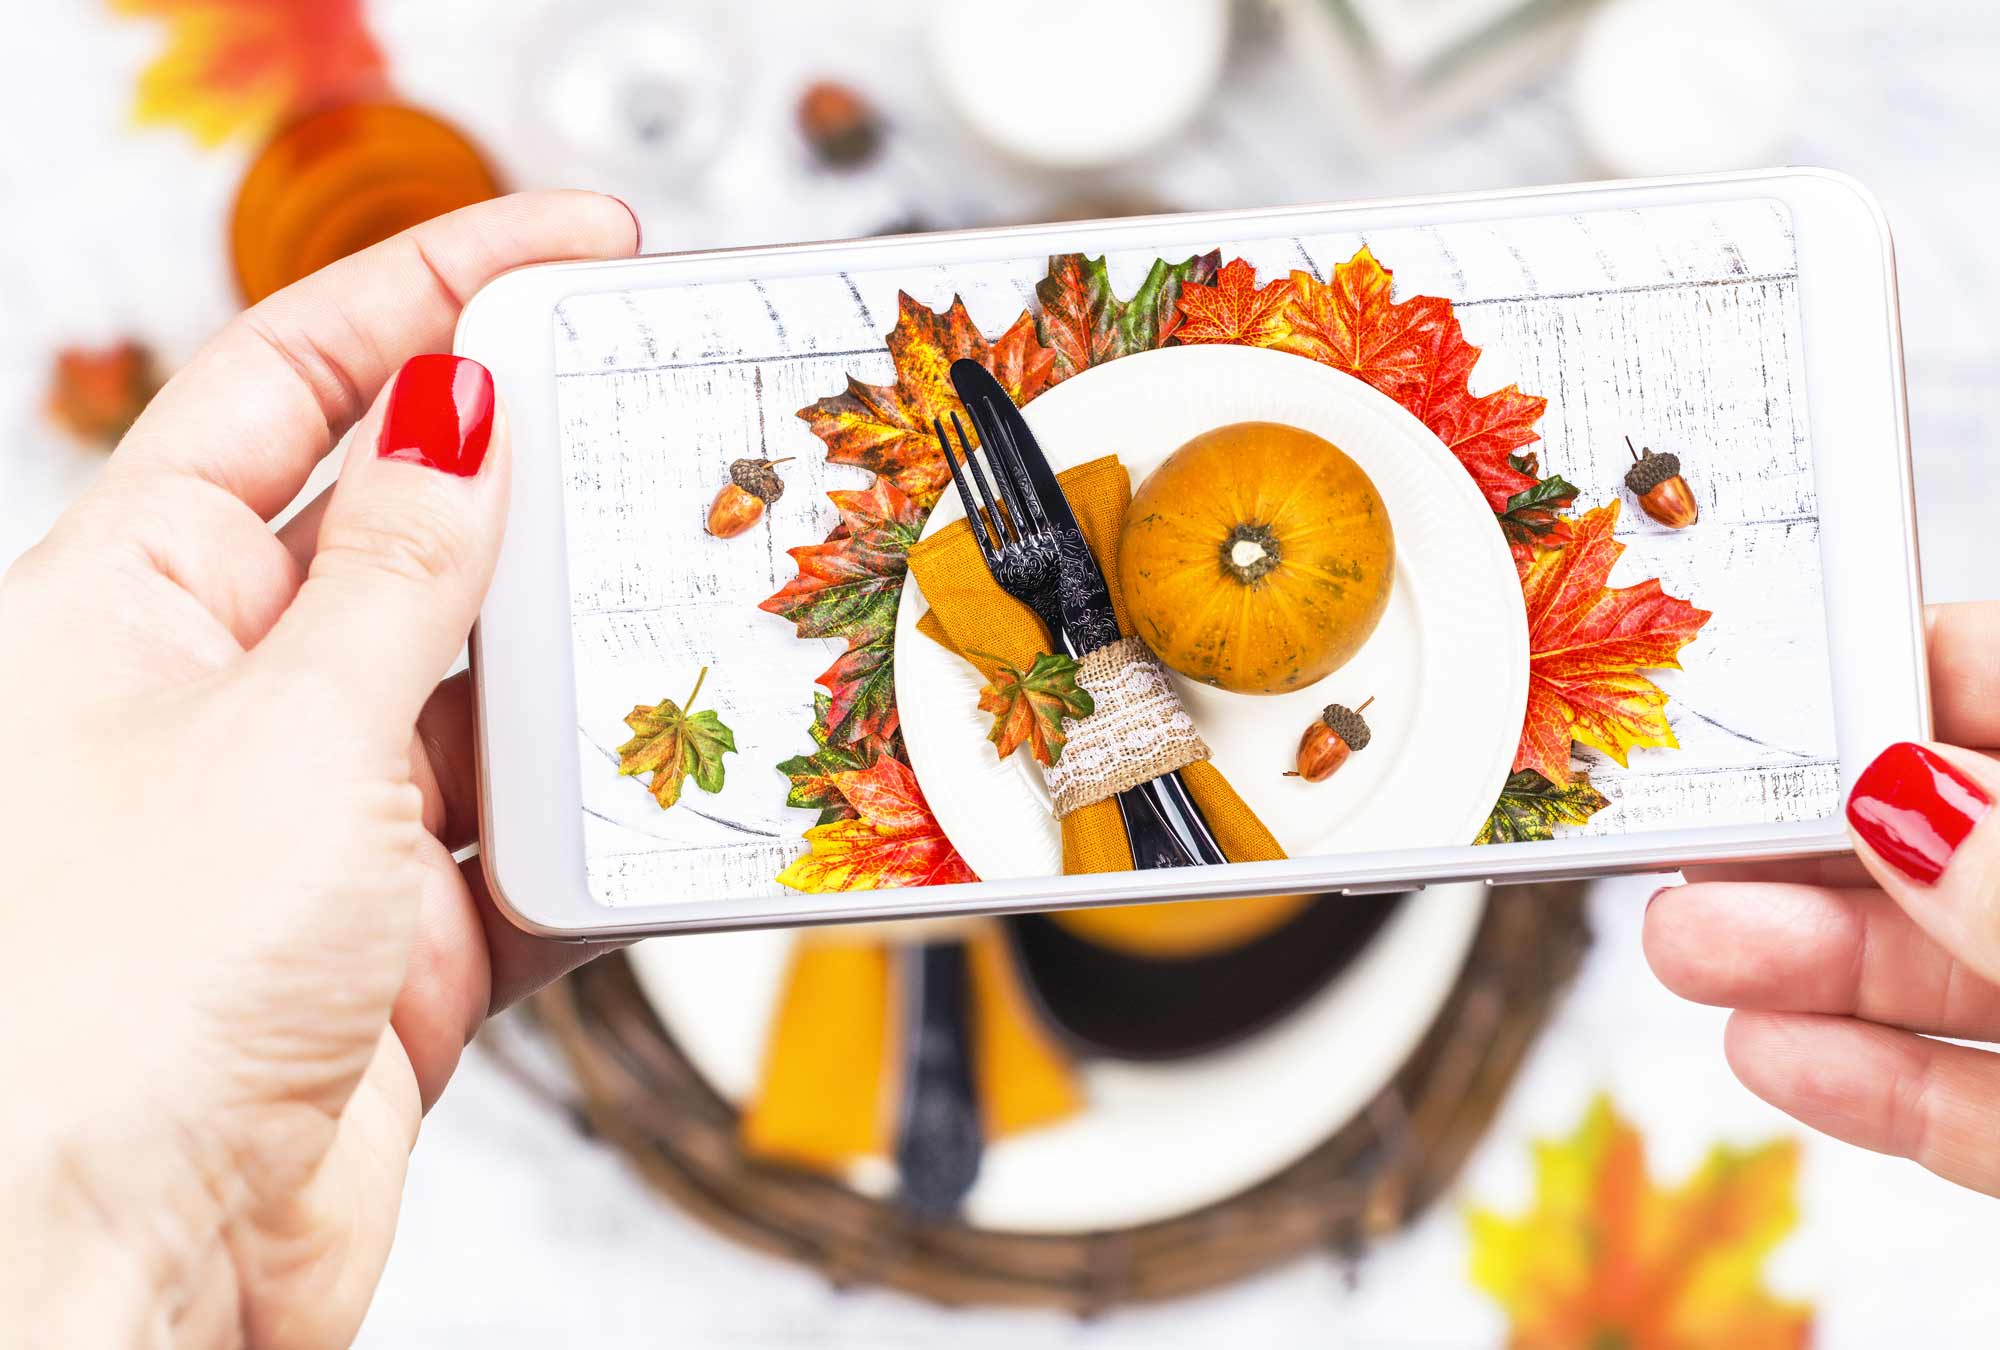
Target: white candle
{"type": "Point", "coordinates": [1072, 84]}
{"type": "Point", "coordinates": [1684, 86]}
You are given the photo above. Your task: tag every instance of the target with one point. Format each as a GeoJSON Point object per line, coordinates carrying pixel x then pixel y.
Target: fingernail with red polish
{"type": "Point", "coordinates": [440, 415]}
{"type": "Point", "coordinates": [1915, 809]}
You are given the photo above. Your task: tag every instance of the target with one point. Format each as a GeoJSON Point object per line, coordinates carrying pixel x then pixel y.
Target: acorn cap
{"type": "Point", "coordinates": [758, 478]}
{"type": "Point", "coordinates": [1346, 724]}
{"type": "Point", "coordinates": [1651, 470]}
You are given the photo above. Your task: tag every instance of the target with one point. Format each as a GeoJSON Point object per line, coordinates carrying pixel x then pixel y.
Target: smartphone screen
{"type": "Point", "coordinates": [1495, 531]}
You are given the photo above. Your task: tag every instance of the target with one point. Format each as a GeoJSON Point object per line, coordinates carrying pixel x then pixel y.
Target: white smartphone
{"type": "Point", "coordinates": [1405, 587]}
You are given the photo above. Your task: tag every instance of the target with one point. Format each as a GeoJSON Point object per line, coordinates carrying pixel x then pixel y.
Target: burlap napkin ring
{"type": "Point", "coordinates": [1138, 732]}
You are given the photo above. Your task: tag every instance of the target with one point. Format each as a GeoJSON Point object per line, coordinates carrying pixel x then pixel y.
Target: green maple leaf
{"type": "Point", "coordinates": [813, 785]}
{"type": "Point", "coordinates": [1530, 805]}
{"type": "Point", "coordinates": [1029, 706]}
{"type": "Point", "coordinates": [848, 587]}
{"type": "Point", "coordinates": [1086, 324]}
{"type": "Point", "coordinates": [674, 745]}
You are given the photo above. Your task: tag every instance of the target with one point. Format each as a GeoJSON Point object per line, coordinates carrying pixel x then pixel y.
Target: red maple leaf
{"type": "Point", "coordinates": [893, 839]}
{"type": "Point", "coordinates": [1586, 645]}
{"type": "Point", "coordinates": [1234, 309]}
{"type": "Point", "coordinates": [1414, 352]}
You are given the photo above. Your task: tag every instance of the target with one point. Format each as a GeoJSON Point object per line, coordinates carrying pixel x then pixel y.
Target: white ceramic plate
{"type": "Point", "coordinates": [1447, 667]}
{"type": "Point", "coordinates": [1153, 1140]}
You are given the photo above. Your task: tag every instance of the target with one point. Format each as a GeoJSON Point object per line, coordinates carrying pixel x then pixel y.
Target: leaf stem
{"type": "Point", "coordinates": [689, 705]}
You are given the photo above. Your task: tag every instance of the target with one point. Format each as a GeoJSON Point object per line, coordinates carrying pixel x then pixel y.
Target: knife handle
{"type": "Point", "coordinates": [1165, 827]}
{"type": "Point", "coordinates": [939, 1138]}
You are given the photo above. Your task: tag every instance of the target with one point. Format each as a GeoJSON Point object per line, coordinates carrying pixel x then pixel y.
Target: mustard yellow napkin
{"type": "Point", "coordinates": [969, 613]}
{"type": "Point", "coordinates": [833, 1059]}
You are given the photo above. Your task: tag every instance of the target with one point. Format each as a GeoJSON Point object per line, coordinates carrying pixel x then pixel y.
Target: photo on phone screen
{"type": "Point", "coordinates": [1479, 532]}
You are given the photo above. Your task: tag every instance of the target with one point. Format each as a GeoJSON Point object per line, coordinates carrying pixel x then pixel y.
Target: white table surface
{"type": "Point", "coordinates": [516, 1232]}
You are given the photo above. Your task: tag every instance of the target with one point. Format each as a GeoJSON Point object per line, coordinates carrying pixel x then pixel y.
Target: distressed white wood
{"type": "Point", "coordinates": [1676, 328]}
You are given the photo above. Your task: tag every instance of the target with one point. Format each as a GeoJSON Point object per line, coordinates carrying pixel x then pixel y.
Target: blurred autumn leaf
{"type": "Point", "coordinates": [1607, 1258]}
{"type": "Point", "coordinates": [238, 67]}
{"type": "Point", "coordinates": [96, 393]}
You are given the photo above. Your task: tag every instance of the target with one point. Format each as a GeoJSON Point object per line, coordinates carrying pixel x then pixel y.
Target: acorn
{"type": "Point", "coordinates": [752, 484]}
{"type": "Point", "coordinates": [1337, 733]}
{"type": "Point", "coordinates": [1663, 494]}
{"type": "Point", "coordinates": [838, 123]}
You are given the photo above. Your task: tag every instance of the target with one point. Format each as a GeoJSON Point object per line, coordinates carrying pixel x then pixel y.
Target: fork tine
{"type": "Point", "coordinates": [1008, 456]}
{"type": "Point", "coordinates": [1000, 450]}
{"type": "Point", "coordinates": [999, 519]}
{"type": "Point", "coordinates": [987, 548]}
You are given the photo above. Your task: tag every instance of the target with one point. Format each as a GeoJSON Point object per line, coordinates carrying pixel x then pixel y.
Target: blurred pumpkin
{"type": "Point", "coordinates": [341, 179]}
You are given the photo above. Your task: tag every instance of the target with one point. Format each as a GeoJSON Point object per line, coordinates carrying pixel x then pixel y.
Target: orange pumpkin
{"type": "Point", "coordinates": [1258, 558]}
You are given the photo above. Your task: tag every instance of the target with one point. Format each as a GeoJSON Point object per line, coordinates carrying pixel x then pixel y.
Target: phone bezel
{"type": "Point", "coordinates": [531, 820]}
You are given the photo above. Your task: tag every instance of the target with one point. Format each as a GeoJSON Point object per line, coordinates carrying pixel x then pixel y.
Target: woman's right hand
{"type": "Point", "coordinates": [1844, 973]}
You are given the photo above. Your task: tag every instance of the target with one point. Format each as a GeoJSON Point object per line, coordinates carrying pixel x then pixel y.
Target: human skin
{"type": "Point", "coordinates": [242, 961]}
{"type": "Point", "coordinates": [1843, 972]}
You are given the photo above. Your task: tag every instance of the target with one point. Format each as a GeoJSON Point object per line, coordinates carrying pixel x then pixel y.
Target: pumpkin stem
{"type": "Point", "coordinates": [1250, 553]}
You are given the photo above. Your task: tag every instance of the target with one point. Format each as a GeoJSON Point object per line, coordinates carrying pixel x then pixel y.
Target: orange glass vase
{"type": "Point", "coordinates": [338, 180]}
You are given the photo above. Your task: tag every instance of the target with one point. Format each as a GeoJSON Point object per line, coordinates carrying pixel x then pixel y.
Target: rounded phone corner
{"type": "Point", "coordinates": [502, 894]}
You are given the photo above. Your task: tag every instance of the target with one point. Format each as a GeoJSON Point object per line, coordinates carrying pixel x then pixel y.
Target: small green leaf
{"type": "Point", "coordinates": [673, 745]}
{"type": "Point", "coordinates": [1530, 806]}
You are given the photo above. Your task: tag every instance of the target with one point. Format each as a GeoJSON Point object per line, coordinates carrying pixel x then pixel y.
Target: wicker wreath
{"type": "Point", "coordinates": [1370, 1177]}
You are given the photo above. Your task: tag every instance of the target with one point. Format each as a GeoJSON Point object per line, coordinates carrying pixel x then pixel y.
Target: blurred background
{"type": "Point", "coordinates": [165, 160]}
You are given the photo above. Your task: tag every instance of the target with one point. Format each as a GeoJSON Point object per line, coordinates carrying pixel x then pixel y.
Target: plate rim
{"type": "Point", "coordinates": [911, 603]}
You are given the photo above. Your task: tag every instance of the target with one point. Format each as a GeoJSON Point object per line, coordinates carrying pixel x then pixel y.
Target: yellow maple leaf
{"type": "Point", "coordinates": [1607, 1260]}
{"type": "Point", "coordinates": [236, 67]}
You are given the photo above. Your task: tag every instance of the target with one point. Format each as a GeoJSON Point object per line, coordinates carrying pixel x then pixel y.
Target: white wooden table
{"type": "Point", "coordinates": [517, 1233]}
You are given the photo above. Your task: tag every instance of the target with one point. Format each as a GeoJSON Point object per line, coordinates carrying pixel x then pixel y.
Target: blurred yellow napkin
{"type": "Point", "coordinates": [969, 612]}
{"type": "Point", "coordinates": [832, 1080]}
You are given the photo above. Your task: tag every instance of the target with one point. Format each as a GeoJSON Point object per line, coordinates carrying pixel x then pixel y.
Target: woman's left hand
{"type": "Point", "coordinates": [242, 959]}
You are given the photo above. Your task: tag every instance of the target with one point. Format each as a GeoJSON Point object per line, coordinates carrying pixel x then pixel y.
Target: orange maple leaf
{"type": "Point", "coordinates": [1414, 352]}
{"type": "Point", "coordinates": [887, 428]}
{"type": "Point", "coordinates": [1605, 1257]}
{"type": "Point", "coordinates": [1586, 645]}
{"type": "Point", "coordinates": [236, 67]}
{"type": "Point", "coordinates": [892, 841]}
{"type": "Point", "coordinates": [1235, 309]}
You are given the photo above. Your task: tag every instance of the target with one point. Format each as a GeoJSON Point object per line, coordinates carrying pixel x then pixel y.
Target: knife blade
{"type": "Point", "coordinates": [1088, 619]}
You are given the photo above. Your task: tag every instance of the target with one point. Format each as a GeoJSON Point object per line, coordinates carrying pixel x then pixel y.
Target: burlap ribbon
{"type": "Point", "coordinates": [970, 614]}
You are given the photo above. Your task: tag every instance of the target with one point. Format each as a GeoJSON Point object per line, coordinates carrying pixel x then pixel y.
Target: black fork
{"type": "Point", "coordinates": [1162, 823]}
{"type": "Point", "coordinates": [1018, 544]}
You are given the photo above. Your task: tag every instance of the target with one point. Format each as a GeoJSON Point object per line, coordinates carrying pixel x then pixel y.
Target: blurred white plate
{"type": "Point", "coordinates": [1447, 667]}
{"type": "Point", "coordinates": [1153, 1140]}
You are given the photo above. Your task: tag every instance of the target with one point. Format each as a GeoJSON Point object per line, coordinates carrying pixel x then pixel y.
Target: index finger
{"type": "Point", "coordinates": [1964, 645]}
{"type": "Point", "coordinates": [268, 396]}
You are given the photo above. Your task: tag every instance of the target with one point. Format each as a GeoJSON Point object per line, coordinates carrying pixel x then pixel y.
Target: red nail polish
{"type": "Point", "coordinates": [1915, 809]}
{"type": "Point", "coordinates": [440, 415]}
